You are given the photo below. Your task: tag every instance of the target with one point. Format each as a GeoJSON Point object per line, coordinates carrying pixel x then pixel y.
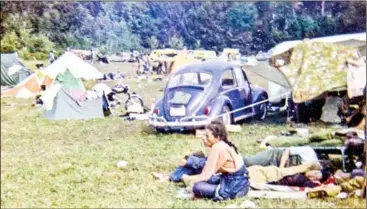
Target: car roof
{"type": "Point", "coordinates": [213, 67]}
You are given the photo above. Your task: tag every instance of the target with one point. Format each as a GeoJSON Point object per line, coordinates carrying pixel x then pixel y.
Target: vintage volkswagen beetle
{"type": "Point", "coordinates": [200, 92]}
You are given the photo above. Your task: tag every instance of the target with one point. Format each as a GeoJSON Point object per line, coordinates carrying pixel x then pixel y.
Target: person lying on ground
{"type": "Point", "coordinates": [265, 174]}
{"type": "Point", "coordinates": [322, 138]}
{"type": "Point", "coordinates": [194, 163]}
{"type": "Point", "coordinates": [224, 175]}
{"type": "Point", "coordinates": [309, 179]}
{"type": "Point", "coordinates": [351, 184]}
{"type": "Point", "coordinates": [258, 174]}
{"type": "Point", "coordinates": [306, 153]}
{"type": "Point", "coordinates": [282, 157]}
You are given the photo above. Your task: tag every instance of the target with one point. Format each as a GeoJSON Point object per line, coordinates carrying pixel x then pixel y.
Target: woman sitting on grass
{"type": "Point", "coordinates": [224, 175]}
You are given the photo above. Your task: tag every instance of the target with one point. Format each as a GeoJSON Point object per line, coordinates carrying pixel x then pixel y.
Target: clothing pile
{"type": "Point", "coordinates": [113, 76]}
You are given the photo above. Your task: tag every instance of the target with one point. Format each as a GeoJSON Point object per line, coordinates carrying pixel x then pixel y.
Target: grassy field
{"type": "Point", "coordinates": [73, 163]}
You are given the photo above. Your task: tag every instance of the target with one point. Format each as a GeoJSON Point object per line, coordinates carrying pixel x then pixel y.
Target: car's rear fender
{"type": "Point", "coordinates": [258, 94]}
{"type": "Point", "coordinates": [216, 106]}
{"type": "Point", "coordinates": [159, 105]}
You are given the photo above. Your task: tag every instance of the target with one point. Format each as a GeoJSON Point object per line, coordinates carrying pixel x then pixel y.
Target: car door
{"type": "Point", "coordinates": [230, 89]}
{"type": "Point", "coordinates": [243, 87]}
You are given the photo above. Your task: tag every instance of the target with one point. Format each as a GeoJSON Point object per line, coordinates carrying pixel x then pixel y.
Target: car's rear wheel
{"type": "Point", "coordinates": [226, 118]}
{"type": "Point", "coordinates": [262, 109]}
{"type": "Point", "coordinates": [161, 131]}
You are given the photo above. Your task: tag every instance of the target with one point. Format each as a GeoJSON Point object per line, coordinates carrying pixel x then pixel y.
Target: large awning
{"type": "Point", "coordinates": [265, 70]}
{"type": "Point", "coordinates": [356, 40]}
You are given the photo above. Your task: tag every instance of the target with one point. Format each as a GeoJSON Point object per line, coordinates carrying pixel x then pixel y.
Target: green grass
{"type": "Point", "coordinates": [31, 64]}
{"type": "Point", "coordinates": [73, 163]}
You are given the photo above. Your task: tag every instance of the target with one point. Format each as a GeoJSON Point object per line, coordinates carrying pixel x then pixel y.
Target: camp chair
{"type": "Point", "coordinates": [334, 150]}
{"type": "Point", "coordinates": [346, 152]}
{"type": "Point", "coordinates": [331, 150]}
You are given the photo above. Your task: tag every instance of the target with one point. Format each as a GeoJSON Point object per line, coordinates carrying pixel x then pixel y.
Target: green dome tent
{"type": "Point", "coordinates": [12, 70]}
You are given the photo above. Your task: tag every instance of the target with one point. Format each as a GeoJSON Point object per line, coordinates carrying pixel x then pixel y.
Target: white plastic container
{"type": "Point", "coordinates": [302, 132]}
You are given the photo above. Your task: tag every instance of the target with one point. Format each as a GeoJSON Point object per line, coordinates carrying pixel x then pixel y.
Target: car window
{"type": "Point", "coordinates": [227, 79]}
{"type": "Point", "coordinates": [170, 55]}
{"type": "Point", "coordinates": [204, 78]}
{"type": "Point", "coordinates": [198, 79]}
{"type": "Point", "coordinates": [239, 76]}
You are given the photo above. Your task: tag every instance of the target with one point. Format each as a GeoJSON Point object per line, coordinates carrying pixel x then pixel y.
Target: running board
{"type": "Point", "coordinates": [248, 115]}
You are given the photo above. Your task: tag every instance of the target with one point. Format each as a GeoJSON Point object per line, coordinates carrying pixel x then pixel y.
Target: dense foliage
{"type": "Point", "coordinates": [33, 28]}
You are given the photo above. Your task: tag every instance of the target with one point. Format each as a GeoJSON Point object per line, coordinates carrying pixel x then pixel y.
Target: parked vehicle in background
{"type": "Point", "coordinates": [163, 53]}
{"type": "Point", "coordinates": [199, 93]}
{"type": "Point", "coordinates": [204, 55]}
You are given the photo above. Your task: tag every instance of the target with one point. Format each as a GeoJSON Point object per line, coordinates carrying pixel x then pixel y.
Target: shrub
{"type": "Point", "coordinates": [40, 44]}
{"type": "Point", "coordinates": [58, 53]}
{"type": "Point", "coordinates": [40, 56]}
{"type": "Point", "coordinates": [10, 42]}
{"type": "Point", "coordinates": [24, 54]}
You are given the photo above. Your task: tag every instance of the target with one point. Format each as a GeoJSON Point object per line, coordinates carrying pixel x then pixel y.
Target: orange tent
{"type": "Point", "coordinates": [30, 87]}
{"type": "Point", "coordinates": [181, 60]}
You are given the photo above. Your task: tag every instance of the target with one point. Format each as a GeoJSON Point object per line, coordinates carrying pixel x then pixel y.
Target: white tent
{"type": "Point", "coordinates": [78, 67]}
{"type": "Point", "coordinates": [355, 40]}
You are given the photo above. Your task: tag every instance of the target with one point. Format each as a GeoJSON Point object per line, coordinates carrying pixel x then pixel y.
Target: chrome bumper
{"type": "Point", "coordinates": [188, 122]}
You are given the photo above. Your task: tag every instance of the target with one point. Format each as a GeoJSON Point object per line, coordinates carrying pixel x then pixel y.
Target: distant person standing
{"type": "Point", "coordinates": [92, 55]}
{"type": "Point", "coordinates": [147, 64]}
{"type": "Point", "coordinates": [229, 57]}
{"type": "Point", "coordinates": [51, 57]}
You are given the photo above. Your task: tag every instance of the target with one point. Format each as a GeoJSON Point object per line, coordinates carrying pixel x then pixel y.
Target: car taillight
{"type": "Point", "coordinates": [156, 111]}
{"type": "Point", "coordinates": [207, 111]}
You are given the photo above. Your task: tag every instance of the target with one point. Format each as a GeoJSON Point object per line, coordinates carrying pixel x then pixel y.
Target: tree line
{"type": "Point", "coordinates": [35, 28]}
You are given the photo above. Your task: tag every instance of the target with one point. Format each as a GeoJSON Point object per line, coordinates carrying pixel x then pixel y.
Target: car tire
{"type": "Point", "coordinates": [160, 131]}
{"type": "Point", "coordinates": [262, 109]}
{"type": "Point", "coordinates": [226, 119]}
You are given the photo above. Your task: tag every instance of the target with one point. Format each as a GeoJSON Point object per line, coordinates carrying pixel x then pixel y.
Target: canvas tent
{"type": "Point", "coordinates": [316, 67]}
{"type": "Point", "coordinates": [354, 40]}
{"type": "Point", "coordinates": [29, 87]}
{"type": "Point", "coordinates": [265, 70]}
{"type": "Point", "coordinates": [62, 100]}
{"type": "Point", "coordinates": [65, 107]}
{"type": "Point", "coordinates": [277, 81]}
{"type": "Point", "coordinates": [312, 60]}
{"type": "Point", "coordinates": [181, 60]}
{"type": "Point", "coordinates": [68, 80]}
{"type": "Point", "coordinates": [12, 70]}
{"type": "Point", "coordinates": [78, 67]}
{"type": "Point", "coordinates": [64, 80]}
